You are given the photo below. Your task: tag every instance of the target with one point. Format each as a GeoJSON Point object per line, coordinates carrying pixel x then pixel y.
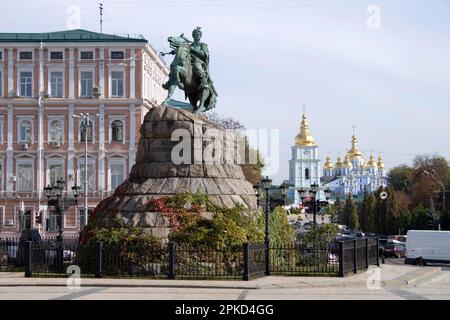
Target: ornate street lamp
{"type": "Point", "coordinates": [284, 188]}
{"type": "Point", "coordinates": [314, 202]}
{"type": "Point", "coordinates": [265, 185]}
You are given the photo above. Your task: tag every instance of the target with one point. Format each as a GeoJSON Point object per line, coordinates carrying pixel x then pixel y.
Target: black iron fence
{"type": "Point", "coordinates": [304, 260]}
{"type": "Point", "coordinates": [12, 251]}
{"type": "Point", "coordinates": [175, 261]}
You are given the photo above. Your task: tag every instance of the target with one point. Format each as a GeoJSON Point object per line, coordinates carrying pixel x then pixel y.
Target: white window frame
{"type": "Point", "coordinates": [19, 162]}
{"type": "Point", "coordinates": [113, 161]}
{"type": "Point", "coordinates": [85, 69]}
{"type": "Point", "coordinates": [80, 121]}
{"type": "Point", "coordinates": [49, 58]}
{"type": "Point", "coordinates": [50, 120]}
{"type": "Point", "coordinates": [19, 122]}
{"type": "Point", "coordinates": [113, 118]}
{"type": "Point", "coordinates": [117, 69]}
{"type": "Point", "coordinates": [51, 161]}
{"type": "Point", "coordinates": [26, 60]}
{"type": "Point", "coordinates": [86, 49]}
{"type": "Point", "coordinates": [19, 71]}
{"type": "Point", "coordinates": [91, 161]}
{"type": "Point", "coordinates": [49, 86]}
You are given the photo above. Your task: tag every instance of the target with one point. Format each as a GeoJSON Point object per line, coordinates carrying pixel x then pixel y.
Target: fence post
{"type": "Point", "coordinates": [171, 271]}
{"type": "Point", "coordinates": [341, 259]}
{"type": "Point", "coordinates": [246, 275]}
{"type": "Point", "coordinates": [28, 260]}
{"type": "Point", "coordinates": [378, 252]}
{"type": "Point", "coordinates": [98, 259]}
{"type": "Point", "coordinates": [367, 253]}
{"type": "Point", "coordinates": [355, 256]}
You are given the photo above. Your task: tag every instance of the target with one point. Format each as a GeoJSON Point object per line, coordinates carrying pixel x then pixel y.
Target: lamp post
{"type": "Point", "coordinates": [435, 176]}
{"type": "Point", "coordinates": [56, 199]}
{"type": "Point", "coordinates": [315, 202]}
{"type": "Point", "coordinates": [85, 125]}
{"type": "Point", "coordinates": [284, 188]}
{"type": "Point", "coordinates": [265, 184]}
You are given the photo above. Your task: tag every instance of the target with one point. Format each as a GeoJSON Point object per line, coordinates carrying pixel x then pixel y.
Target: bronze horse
{"type": "Point", "coordinates": [182, 76]}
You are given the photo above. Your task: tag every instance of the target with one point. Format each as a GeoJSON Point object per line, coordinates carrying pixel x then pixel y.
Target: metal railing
{"type": "Point", "coordinates": [181, 261]}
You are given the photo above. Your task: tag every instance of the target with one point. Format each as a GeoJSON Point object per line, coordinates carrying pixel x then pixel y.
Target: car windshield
{"type": "Point", "coordinates": [390, 246]}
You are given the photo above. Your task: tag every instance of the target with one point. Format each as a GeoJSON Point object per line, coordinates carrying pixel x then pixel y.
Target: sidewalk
{"type": "Point", "coordinates": [389, 276]}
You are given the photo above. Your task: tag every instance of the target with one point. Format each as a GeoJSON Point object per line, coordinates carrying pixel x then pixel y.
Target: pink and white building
{"type": "Point", "coordinates": [46, 80]}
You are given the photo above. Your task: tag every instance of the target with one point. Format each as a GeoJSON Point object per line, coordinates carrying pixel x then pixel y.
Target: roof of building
{"type": "Point", "coordinates": [179, 104]}
{"type": "Point", "coordinates": [325, 180]}
{"type": "Point", "coordinates": [77, 35]}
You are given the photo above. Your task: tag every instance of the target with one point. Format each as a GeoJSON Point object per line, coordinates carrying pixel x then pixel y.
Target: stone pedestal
{"type": "Point", "coordinates": [203, 158]}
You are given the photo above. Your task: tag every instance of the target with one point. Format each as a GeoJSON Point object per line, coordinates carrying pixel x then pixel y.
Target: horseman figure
{"type": "Point", "coordinates": [190, 72]}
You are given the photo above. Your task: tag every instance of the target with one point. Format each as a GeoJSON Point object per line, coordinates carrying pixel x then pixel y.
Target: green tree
{"type": "Point", "coordinates": [433, 216]}
{"type": "Point", "coordinates": [400, 177]}
{"type": "Point", "coordinates": [367, 213]}
{"type": "Point", "coordinates": [392, 216]}
{"type": "Point", "coordinates": [380, 210]}
{"type": "Point", "coordinates": [419, 219]}
{"type": "Point", "coordinates": [351, 217]}
{"type": "Point", "coordinates": [339, 210]}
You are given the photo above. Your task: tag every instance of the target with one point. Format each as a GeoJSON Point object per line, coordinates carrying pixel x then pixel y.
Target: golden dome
{"type": "Point", "coordinates": [371, 163]}
{"type": "Point", "coordinates": [304, 138]}
{"type": "Point", "coordinates": [380, 163]}
{"type": "Point", "coordinates": [354, 152]}
{"type": "Point", "coordinates": [339, 162]}
{"type": "Point", "coordinates": [347, 162]}
{"type": "Point", "coordinates": [328, 164]}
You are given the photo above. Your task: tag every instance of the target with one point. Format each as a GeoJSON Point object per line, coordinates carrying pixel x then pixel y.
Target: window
{"type": "Point", "coordinates": [25, 220]}
{"type": "Point", "coordinates": [55, 172]}
{"type": "Point", "coordinates": [117, 131]}
{"type": "Point", "coordinates": [25, 177]}
{"type": "Point", "coordinates": [56, 55]}
{"type": "Point", "coordinates": [52, 221]}
{"type": "Point", "coordinates": [26, 55]}
{"type": "Point", "coordinates": [87, 55]}
{"type": "Point", "coordinates": [307, 174]}
{"type": "Point", "coordinates": [86, 83]}
{"type": "Point", "coordinates": [117, 174]}
{"type": "Point", "coordinates": [90, 178]}
{"type": "Point", "coordinates": [117, 84]}
{"type": "Point", "coordinates": [26, 84]}
{"type": "Point", "coordinates": [56, 84]}
{"type": "Point", "coordinates": [116, 54]}
{"type": "Point", "coordinates": [26, 131]}
{"type": "Point", "coordinates": [56, 131]}
{"type": "Point", "coordinates": [86, 132]}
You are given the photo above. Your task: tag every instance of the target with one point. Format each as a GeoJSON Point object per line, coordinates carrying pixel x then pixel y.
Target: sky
{"type": "Point", "coordinates": [382, 66]}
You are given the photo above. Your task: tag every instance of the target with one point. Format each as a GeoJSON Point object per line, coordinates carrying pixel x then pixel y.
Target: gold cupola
{"type": "Point", "coordinates": [304, 138]}
{"type": "Point", "coordinates": [354, 152]}
{"type": "Point", "coordinates": [339, 162]}
{"type": "Point", "coordinates": [380, 163]}
{"type": "Point", "coordinates": [347, 162]}
{"type": "Point", "coordinates": [372, 163]}
{"type": "Point", "coordinates": [328, 164]}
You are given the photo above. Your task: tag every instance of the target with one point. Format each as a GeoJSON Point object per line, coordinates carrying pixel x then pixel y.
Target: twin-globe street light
{"type": "Point", "coordinates": [56, 199]}
{"type": "Point", "coordinates": [264, 186]}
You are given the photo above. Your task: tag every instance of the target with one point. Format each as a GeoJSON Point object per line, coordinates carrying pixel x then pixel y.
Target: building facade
{"type": "Point", "coordinates": [304, 166]}
{"type": "Point", "coordinates": [46, 80]}
{"type": "Point", "coordinates": [353, 175]}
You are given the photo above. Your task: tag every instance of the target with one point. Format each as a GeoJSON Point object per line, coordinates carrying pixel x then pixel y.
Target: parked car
{"type": "Point", "coordinates": [423, 246]}
{"type": "Point", "coordinates": [397, 250]}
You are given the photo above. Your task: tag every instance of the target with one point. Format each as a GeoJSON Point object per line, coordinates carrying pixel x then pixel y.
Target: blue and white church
{"type": "Point", "coordinates": [353, 175]}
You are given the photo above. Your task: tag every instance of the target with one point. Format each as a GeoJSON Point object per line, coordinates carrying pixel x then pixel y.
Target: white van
{"type": "Point", "coordinates": [424, 246]}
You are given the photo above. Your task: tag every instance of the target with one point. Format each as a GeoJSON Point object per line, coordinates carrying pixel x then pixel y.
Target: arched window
{"type": "Point", "coordinates": [307, 174]}
{"type": "Point", "coordinates": [86, 132]}
{"type": "Point", "coordinates": [117, 131]}
{"type": "Point", "coordinates": [56, 131]}
{"type": "Point", "coordinates": [25, 131]}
